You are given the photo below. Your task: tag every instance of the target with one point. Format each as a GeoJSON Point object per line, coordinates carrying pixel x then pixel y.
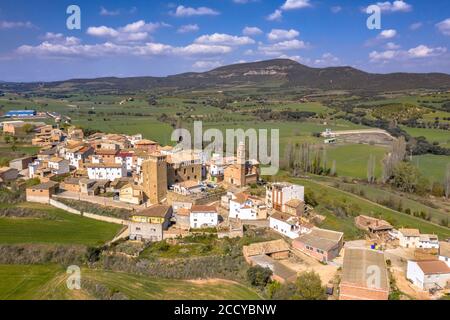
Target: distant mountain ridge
{"type": "Point", "coordinates": [283, 71]}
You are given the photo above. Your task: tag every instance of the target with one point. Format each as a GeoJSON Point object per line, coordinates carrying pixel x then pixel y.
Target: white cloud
{"type": "Point", "coordinates": [188, 28]}
{"type": "Point", "coordinates": [251, 31]}
{"type": "Point", "coordinates": [202, 49]}
{"type": "Point", "coordinates": [419, 52]}
{"type": "Point", "coordinates": [336, 9]}
{"type": "Point", "coordinates": [183, 11]}
{"type": "Point", "coordinates": [15, 24]}
{"type": "Point", "coordinates": [281, 34]}
{"type": "Point", "coordinates": [280, 47]}
{"type": "Point", "coordinates": [387, 34]}
{"type": "Point", "coordinates": [244, 1]}
{"type": "Point", "coordinates": [423, 51]}
{"type": "Point", "coordinates": [224, 39]}
{"type": "Point", "coordinates": [444, 27]}
{"type": "Point", "coordinates": [60, 46]}
{"type": "Point", "coordinates": [416, 26]}
{"type": "Point", "coordinates": [327, 60]}
{"type": "Point", "coordinates": [392, 46]}
{"type": "Point", "coordinates": [106, 12]}
{"type": "Point", "coordinates": [395, 6]}
{"type": "Point", "coordinates": [295, 4]}
{"type": "Point", "coordinates": [206, 65]}
{"type": "Point", "coordinates": [136, 31]}
{"type": "Point", "coordinates": [277, 15]}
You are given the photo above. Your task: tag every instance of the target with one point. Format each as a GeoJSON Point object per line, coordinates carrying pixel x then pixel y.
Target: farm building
{"type": "Point", "coordinates": [277, 249]}
{"type": "Point", "coordinates": [42, 192]}
{"type": "Point", "coordinates": [321, 244]}
{"type": "Point", "coordinates": [21, 163]}
{"type": "Point", "coordinates": [20, 113]}
{"type": "Point", "coordinates": [364, 275]}
{"type": "Point", "coordinates": [429, 274]}
{"type": "Point", "coordinates": [372, 225]}
{"type": "Point", "coordinates": [8, 174]}
{"type": "Point", "coordinates": [266, 254]}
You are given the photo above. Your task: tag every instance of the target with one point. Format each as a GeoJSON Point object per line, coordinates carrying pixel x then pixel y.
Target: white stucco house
{"type": "Point", "coordinates": [106, 171]}
{"type": "Point", "coordinates": [412, 238]}
{"type": "Point", "coordinates": [288, 225]}
{"type": "Point", "coordinates": [278, 194]}
{"type": "Point", "coordinates": [58, 165]}
{"type": "Point", "coordinates": [203, 217]}
{"type": "Point", "coordinates": [245, 207]}
{"type": "Point", "coordinates": [428, 274]}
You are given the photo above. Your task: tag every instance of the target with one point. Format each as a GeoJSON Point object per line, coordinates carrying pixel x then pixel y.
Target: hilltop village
{"type": "Point", "coordinates": [171, 194]}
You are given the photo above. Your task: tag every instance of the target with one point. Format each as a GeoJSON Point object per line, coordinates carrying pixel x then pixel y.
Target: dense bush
{"type": "Point", "coordinates": [41, 254]}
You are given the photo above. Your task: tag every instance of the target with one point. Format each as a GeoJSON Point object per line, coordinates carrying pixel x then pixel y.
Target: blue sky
{"type": "Point", "coordinates": [142, 37]}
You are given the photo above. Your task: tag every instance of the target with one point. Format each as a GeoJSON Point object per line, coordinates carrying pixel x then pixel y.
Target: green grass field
{"type": "Point", "coordinates": [43, 282]}
{"type": "Point", "coordinates": [59, 228]}
{"type": "Point", "coordinates": [352, 159]}
{"type": "Point", "coordinates": [433, 167]}
{"type": "Point", "coordinates": [432, 135]}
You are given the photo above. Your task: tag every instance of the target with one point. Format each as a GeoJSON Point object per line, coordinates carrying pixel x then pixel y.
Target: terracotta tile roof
{"type": "Point", "coordinates": [198, 208]}
{"type": "Point", "coordinates": [444, 249]}
{"type": "Point", "coordinates": [356, 263]}
{"type": "Point", "coordinates": [409, 232]}
{"type": "Point", "coordinates": [154, 211]}
{"type": "Point", "coordinates": [44, 186]}
{"type": "Point", "coordinates": [106, 152]}
{"type": "Point", "coordinates": [184, 212]}
{"type": "Point", "coordinates": [321, 238]}
{"type": "Point", "coordinates": [103, 165]}
{"type": "Point", "coordinates": [294, 203]}
{"type": "Point", "coordinates": [433, 267]}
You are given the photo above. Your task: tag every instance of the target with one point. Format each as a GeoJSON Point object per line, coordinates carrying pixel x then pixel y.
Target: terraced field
{"type": "Point", "coordinates": [43, 282]}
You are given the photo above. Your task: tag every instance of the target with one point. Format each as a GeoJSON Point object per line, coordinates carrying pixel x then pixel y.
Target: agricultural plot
{"type": "Point", "coordinates": [432, 166]}
{"type": "Point", "coordinates": [57, 227]}
{"type": "Point", "coordinates": [43, 282]}
{"type": "Point", "coordinates": [352, 159]}
{"type": "Point", "coordinates": [432, 135]}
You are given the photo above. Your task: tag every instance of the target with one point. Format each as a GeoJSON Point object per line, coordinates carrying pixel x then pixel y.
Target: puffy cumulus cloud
{"type": "Point", "coordinates": [251, 31]}
{"type": "Point", "coordinates": [295, 4]}
{"type": "Point", "coordinates": [423, 51]}
{"type": "Point", "coordinates": [395, 6]}
{"type": "Point", "coordinates": [206, 65]}
{"type": "Point", "coordinates": [277, 15]}
{"type": "Point", "coordinates": [15, 24]}
{"type": "Point", "coordinates": [133, 32]}
{"type": "Point", "coordinates": [60, 46]}
{"type": "Point", "coordinates": [327, 60]}
{"type": "Point", "coordinates": [387, 34]}
{"type": "Point", "coordinates": [224, 39]}
{"type": "Point", "coordinates": [281, 34]}
{"type": "Point", "coordinates": [444, 27]}
{"type": "Point", "coordinates": [188, 28]}
{"type": "Point", "coordinates": [280, 47]}
{"type": "Point", "coordinates": [182, 11]}
{"type": "Point", "coordinates": [419, 52]}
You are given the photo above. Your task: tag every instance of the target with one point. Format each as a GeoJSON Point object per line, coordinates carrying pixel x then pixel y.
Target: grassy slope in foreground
{"type": "Point", "coordinates": [59, 227]}
{"type": "Point", "coordinates": [367, 208]}
{"type": "Point", "coordinates": [49, 282]}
